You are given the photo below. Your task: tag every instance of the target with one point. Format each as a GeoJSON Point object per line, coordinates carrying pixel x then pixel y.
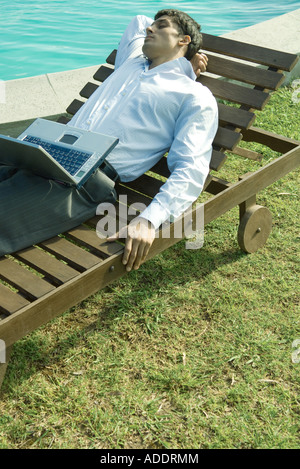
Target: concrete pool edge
{"type": "Point", "coordinates": [49, 95]}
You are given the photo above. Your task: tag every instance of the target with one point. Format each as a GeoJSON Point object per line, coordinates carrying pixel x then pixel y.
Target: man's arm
{"type": "Point", "coordinates": [188, 161]}
{"type": "Point", "coordinates": [132, 40]}
{"type": "Point", "coordinates": [188, 158]}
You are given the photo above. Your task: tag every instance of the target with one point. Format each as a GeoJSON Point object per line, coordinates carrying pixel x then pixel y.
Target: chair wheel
{"type": "Point", "coordinates": [254, 228]}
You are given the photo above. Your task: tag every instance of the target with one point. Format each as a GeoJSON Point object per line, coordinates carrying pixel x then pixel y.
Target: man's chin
{"type": "Point", "coordinates": [144, 49]}
{"type": "Point", "coordinates": [147, 50]}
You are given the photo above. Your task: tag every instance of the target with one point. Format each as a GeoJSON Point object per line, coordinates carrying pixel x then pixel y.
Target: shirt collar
{"type": "Point", "coordinates": [181, 65]}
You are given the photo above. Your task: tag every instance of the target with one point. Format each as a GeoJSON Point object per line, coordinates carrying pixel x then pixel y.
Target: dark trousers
{"type": "Point", "coordinates": [33, 209]}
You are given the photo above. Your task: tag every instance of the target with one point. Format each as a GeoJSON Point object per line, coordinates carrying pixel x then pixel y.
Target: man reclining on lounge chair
{"type": "Point", "coordinates": [153, 105]}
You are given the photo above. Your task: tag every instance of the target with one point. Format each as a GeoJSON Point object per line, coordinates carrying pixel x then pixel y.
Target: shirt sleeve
{"type": "Point", "coordinates": [132, 40]}
{"type": "Point", "coordinates": [188, 161]}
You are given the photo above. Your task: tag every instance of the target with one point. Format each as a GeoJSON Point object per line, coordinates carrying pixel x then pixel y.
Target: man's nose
{"type": "Point", "coordinates": [149, 30]}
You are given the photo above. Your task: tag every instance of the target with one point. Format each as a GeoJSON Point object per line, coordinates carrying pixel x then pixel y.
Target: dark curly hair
{"type": "Point", "coordinates": [187, 26]}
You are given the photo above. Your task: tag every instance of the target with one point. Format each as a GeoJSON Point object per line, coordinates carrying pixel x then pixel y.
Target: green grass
{"type": "Point", "coordinates": [192, 351]}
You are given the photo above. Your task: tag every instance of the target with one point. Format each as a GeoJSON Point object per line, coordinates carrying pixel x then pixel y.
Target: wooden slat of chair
{"type": "Point", "coordinates": [72, 254]}
{"type": "Point", "coordinates": [236, 117]}
{"type": "Point", "coordinates": [266, 79]}
{"type": "Point", "coordinates": [42, 262]}
{"type": "Point", "coordinates": [30, 285]}
{"type": "Point", "coordinates": [249, 52]}
{"type": "Point", "coordinates": [146, 185]}
{"type": "Point", "coordinates": [88, 89]}
{"type": "Point", "coordinates": [10, 301]}
{"type": "Point", "coordinates": [226, 138]}
{"type": "Point", "coordinates": [217, 160]}
{"type": "Point", "coordinates": [74, 106]}
{"type": "Point", "coordinates": [112, 57]}
{"type": "Point", "coordinates": [89, 238]}
{"type": "Point", "coordinates": [131, 195]}
{"type": "Point", "coordinates": [250, 97]}
{"type": "Point", "coordinates": [103, 73]}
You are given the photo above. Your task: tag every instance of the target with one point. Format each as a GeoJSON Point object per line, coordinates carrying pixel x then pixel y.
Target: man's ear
{"type": "Point", "coordinates": [185, 40]}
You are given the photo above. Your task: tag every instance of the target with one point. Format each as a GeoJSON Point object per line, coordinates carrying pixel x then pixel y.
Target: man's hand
{"type": "Point", "coordinates": [139, 234]}
{"type": "Point", "coordinates": [199, 63]}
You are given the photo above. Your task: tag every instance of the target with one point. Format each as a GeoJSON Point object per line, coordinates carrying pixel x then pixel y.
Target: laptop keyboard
{"type": "Point", "coordinates": [72, 160]}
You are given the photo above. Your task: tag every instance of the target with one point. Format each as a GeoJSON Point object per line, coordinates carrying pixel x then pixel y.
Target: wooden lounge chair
{"type": "Point", "coordinates": [41, 282]}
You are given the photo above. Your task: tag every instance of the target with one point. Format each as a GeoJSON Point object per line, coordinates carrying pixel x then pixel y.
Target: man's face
{"type": "Point", "coordinates": [162, 39]}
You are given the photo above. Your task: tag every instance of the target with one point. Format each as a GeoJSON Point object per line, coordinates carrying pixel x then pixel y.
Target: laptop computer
{"type": "Point", "coordinates": [57, 151]}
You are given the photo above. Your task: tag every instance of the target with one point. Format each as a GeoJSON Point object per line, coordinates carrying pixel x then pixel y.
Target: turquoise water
{"type": "Point", "coordinates": [44, 36]}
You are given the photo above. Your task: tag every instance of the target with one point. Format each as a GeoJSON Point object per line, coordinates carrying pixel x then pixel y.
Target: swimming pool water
{"type": "Point", "coordinates": [44, 36]}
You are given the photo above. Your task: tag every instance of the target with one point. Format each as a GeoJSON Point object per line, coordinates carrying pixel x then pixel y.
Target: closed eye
{"type": "Point", "coordinates": [161, 24]}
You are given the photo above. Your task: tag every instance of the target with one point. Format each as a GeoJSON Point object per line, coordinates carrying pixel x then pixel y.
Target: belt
{"type": "Point", "coordinates": [109, 171]}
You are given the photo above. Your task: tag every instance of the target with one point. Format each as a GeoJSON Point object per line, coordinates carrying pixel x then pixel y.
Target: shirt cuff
{"type": "Point", "coordinates": [155, 213]}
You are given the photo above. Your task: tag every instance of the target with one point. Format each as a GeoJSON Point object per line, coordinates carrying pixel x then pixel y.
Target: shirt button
{"type": "Point", "coordinates": [106, 107]}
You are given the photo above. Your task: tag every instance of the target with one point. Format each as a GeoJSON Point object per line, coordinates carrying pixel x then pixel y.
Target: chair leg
{"type": "Point", "coordinates": [3, 366]}
{"type": "Point", "coordinates": [255, 226]}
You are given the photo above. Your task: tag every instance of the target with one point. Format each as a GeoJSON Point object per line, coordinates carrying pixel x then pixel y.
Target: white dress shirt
{"type": "Point", "coordinates": [152, 112]}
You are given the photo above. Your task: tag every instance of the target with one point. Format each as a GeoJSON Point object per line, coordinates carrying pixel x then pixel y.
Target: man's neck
{"type": "Point", "coordinates": [161, 60]}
